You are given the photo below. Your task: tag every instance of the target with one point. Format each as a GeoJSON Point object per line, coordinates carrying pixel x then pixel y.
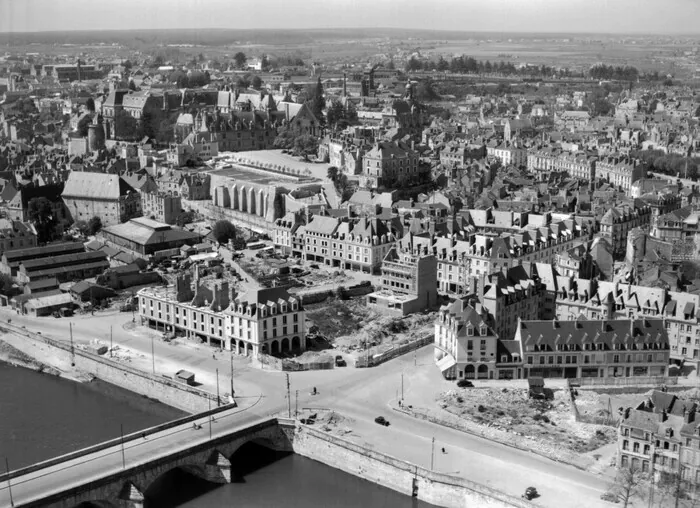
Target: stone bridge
{"type": "Point", "coordinates": [117, 483]}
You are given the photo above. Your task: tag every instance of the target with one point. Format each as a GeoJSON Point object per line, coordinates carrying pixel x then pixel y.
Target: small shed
{"type": "Point", "coordinates": [536, 388]}
{"type": "Point", "coordinates": [185, 376]}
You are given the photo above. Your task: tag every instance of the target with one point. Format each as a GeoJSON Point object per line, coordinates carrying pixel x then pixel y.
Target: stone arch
{"type": "Point", "coordinates": [100, 503]}
{"type": "Point", "coordinates": [285, 345]}
{"type": "Point", "coordinates": [274, 347]}
{"type": "Point", "coordinates": [483, 371]}
{"type": "Point", "coordinates": [251, 202]}
{"type": "Point", "coordinates": [253, 455]}
{"type": "Point", "coordinates": [261, 203]}
{"type": "Point", "coordinates": [234, 197]}
{"type": "Point", "coordinates": [469, 372]}
{"type": "Point", "coordinates": [296, 343]}
{"type": "Point", "coordinates": [168, 487]}
{"type": "Point", "coordinates": [243, 204]}
{"type": "Point", "coordinates": [263, 349]}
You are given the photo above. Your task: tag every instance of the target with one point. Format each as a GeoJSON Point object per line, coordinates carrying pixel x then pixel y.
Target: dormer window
{"type": "Point", "coordinates": [262, 312]}
{"type": "Point", "coordinates": [470, 331]}
{"type": "Point", "coordinates": [284, 307]}
{"type": "Point", "coordinates": [482, 331]}
{"type": "Point", "coordinates": [294, 306]}
{"type": "Point", "coordinates": [273, 309]}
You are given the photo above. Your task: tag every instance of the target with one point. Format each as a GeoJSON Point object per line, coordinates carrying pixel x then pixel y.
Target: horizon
{"type": "Point", "coordinates": [599, 17]}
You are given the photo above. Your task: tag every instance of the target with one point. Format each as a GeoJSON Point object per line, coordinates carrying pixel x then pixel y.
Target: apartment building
{"type": "Point", "coordinates": [349, 244]}
{"type": "Point", "coordinates": [611, 300]}
{"type": "Point", "coordinates": [163, 207]}
{"type": "Point", "coordinates": [465, 346]}
{"type": "Point", "coordinates": [661, 435]}
{"type": "Point", "coordinates": [577, 164]}
{"type": "Point", "coordinates": [620, 172]}
{"type": "Point", "coordinates": [408, 282]}
{"type": "Point", "coordinates": [264, 321]}
{"type": "Point", "coordinates": [617, 222]}
{"type": "Point", "coordinates": [594, 348]}
{"type": "Point", "coordinates": [388, 163]}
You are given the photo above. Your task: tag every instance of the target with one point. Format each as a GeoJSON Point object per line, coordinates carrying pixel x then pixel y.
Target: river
{"type": "Point", "coordinates": [42, 416]}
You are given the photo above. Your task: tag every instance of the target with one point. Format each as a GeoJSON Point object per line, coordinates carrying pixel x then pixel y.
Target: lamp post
{"type": "Point", "coordinates": [432, 455]}
{"type": "Point", "coordinates": [9, 485]}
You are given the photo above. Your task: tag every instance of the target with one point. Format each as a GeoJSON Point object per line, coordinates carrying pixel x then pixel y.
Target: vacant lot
{"type": "Point", "coordinates": [351, 326]}
{"type": "Point", "coordinates": [548, 423]}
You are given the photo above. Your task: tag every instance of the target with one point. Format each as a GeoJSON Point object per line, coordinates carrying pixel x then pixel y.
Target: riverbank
{"type": "Point", "coordinates": [13, 356]}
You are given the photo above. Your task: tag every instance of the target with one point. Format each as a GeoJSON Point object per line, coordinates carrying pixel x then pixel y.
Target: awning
{"type": "Point", "coordinates": [446, 362]}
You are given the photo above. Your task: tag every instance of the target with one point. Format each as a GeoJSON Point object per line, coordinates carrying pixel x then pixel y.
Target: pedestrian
{"type": "Point", "coordinates": [443, 450]}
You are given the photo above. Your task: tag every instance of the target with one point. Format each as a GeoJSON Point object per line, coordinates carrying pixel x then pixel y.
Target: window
{"type": "Point", "coordinates": [635, 447]}
{"type": "Point", "coordinates": [625, 445]}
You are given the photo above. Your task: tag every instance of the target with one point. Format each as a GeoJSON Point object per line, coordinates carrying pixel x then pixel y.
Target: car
{"type": "Point", "coordinates": [610, 497]}
{"type": "Point", "coordinates": [340, 361]}
{"type": "Point", "coordinates": [465, 383]}
{"type": "Point", "coordinates": [382, 421]}
{"type": "Point", "coordinates": [530, 493]}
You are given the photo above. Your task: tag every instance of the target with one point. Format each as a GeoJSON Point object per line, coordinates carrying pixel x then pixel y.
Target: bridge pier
{"type": "Point", "coordinates": [218, 468]}
{"type": "Point", "coordinates": [130, 496]}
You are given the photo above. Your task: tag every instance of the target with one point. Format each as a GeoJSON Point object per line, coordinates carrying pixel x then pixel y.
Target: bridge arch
{"type": "Point", "coordinates": [101, 503]}
{"type": "Point", "coordinates": [253, 455]}
{"type": "Point", "coordinates": [178, 484]}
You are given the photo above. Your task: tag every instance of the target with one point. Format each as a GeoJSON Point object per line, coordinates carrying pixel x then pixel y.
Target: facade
{"type": "Point", "coordinates": [594, 348]}
{"type": "Point", "coordinates": [610, 300]}
{"type": "Point", "coordinates": [620, 172]}
{"type": "Point", "coordinates": [409, 283]}
{"type": "Point", "coordinates": [12, 259]}
{"type": "Point", "coordinates": [16, 235]}
{"type": "Point", "coordinates": [161, 206]}
{"type": "Point", "coordinates": [578, 165]}
{"type": "Point", "coordinates": [388, 163]}
{"type": "Point", "coordinates": [618, 222]}
{"type": "Point", "coordinates": [509, 155]}
{"type": "Point", "coordinates": [661, 435]}
{"type": "Point", "coordinates": [64, 268]}
{"type": "Point", "coordinates": [102, 195]}
{"type": "Point", "coordinates": [266, 321]}
{"type": "Point", "coordinates": [465, 346]}
{"type": "Point", "coordinates": [352, 245]}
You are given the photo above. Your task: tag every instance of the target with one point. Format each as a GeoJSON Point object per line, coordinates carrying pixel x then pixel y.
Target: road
{"type": "Point", "coordinates": [359, 394]}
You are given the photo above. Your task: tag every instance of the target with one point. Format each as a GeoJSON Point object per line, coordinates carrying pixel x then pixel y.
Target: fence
{"type": "Point", "coordinates": [610, 419]}
{"type": "Point", "coordinates": [369, 360]}
{"type": "Point", "coordinates": [624, 381]}
{"type": "Point", "coordinates": [287, 365]}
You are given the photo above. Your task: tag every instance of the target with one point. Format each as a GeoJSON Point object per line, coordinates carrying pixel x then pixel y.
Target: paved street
{"type": "Point", "coordinates": [361, 394]}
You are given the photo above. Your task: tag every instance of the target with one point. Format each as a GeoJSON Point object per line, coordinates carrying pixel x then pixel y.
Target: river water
{"type": "Point", "coordinates": [42, 416]}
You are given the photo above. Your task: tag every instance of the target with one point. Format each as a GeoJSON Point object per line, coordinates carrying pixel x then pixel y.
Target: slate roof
{"type": "Point", "coordinates": [103, 186]}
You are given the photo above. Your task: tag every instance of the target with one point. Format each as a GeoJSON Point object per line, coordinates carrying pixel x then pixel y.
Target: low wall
{"type": "Point", "coordinates": [264, 361]}
{"type": "Point", "coordinates": [429, 486]}
{"type": "Point", "coordinates": [59, 355]}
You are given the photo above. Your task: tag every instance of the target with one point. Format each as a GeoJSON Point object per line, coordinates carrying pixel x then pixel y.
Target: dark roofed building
{"type": "Point", "coordinates": [583, 348]}
{"type": "Point", "coordinates": [144, 237]}
{"type": "Point", "coordinates": [103, 195]}
{"type": "Point", "coordinates": [65, 268]}
{"type": "Point", "coordinates": [12, 259]}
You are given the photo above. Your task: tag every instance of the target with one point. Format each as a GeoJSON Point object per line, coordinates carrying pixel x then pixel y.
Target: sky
{"type": "Point", "coordinates": [560, 16]}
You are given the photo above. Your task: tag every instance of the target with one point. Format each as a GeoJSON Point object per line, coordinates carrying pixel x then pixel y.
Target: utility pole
{"type": "Point", "coordinates": [289, 399]}
{"type": "Point", "coordinates": [111, 342]}
{"type": "Point", "coordinates": [296, 405]}
{"type": "Point", "coordinates": [9, 486]}
{"type": "Point", "coordinates": [209, 418]}
{"type": "Point", "coordinates": [218, 399]}
{"type": "Point", "coordinates": [402, 387]}
{"type": "Point", "coordinates": [432, 455]}
{"type": "Point", "coordinates": [232, 390]}
{"type": "Point", "coordinates": [121, 427]}
{"type": "Point", "coordinates": [153, 355]}
{"type": "Point", "coordinates": [72, 350]}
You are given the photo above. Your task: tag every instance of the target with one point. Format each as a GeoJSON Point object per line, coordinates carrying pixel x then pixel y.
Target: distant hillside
{"type": "Point", "coordinates": [225, 36]}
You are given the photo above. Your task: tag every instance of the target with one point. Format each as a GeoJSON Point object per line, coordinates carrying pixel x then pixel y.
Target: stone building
{"type": "Point", "coordinates": [102, 195]}
{"type": "Point", "coordinates": [161, 206]}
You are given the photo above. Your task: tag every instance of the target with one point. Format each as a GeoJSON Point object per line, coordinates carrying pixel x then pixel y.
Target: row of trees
{"type": "Point", "coordinates": [668, 163]}
{"type": "Point", "coordinates": [619, 73]}
{"type": "Point", "coordinates": [468, 65]}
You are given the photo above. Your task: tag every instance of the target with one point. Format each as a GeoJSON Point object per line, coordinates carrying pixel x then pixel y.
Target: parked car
{"type": "Point", "coordinates": [340, 361]}
{"type": "Point", "coordinates": [382, 421]}
{"type": "Point", "coordinates": [465, 383]}
{"type": "Point", "coordinates": [610, 497]}
{"type": "Point", "coordinates": [530, 493]}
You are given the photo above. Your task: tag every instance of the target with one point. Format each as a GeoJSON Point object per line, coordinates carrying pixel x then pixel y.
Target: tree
{"type": "Point", "coordinates": [185, 218]}
{"type": "Point", "coordinates": [6, 285]}
{"type": "Point", "coordinates": [256, 82]}
{"type": "Point", "coordinates": [335, 113]}
{"type": "Point", "coordinates": [332, 173]}
{"type": "Point", "coordinates": [628, 484]}
{"type": "Point", "coordinates": [243, 81]}
{"type": "Point", "coordinates": [265, 63]}
{"type": "Point", "coordinates": [223, 231]}
{"type": "Point", "coordinates": [94, 226]}
{"type": "Point", "coordinates": [41, 215]}
{"type": "Point", "coordinates": [305, 145]}
{"type": "Point", "coordinates": [90, 104]}
{"type": "Point", "coordinates": [125, 125]}
{"type": "Point", "coordinates": [158, 61]}
{"type": "Point", "coordinates": [83, 123]}
{"type": "Point", "coordinates": [82, 227]}
{"type": "Point", "coordinates": [442, 64]}
{"type": "Point", "coordinates": [240, 59]}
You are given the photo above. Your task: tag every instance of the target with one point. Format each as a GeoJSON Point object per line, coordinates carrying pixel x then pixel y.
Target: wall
{"type": "Point", "coordinates": [58, 355]}
{"type": "Point", "coordinates": [377, 359]}
{"type": "Point", "coordinates": [436, 488]}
